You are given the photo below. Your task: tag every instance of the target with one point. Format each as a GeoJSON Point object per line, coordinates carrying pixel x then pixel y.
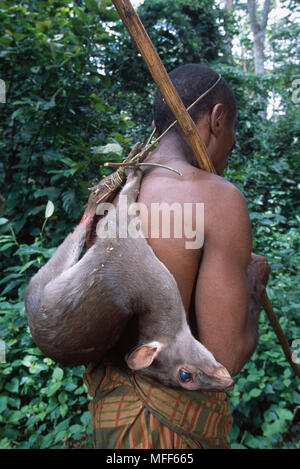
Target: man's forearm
{"type": "Point", "coordinates": [253, 311]}
{"type": "Point", "coordinates": [255, 291]}
{"type": "Point", "coordinates": [248, 340]}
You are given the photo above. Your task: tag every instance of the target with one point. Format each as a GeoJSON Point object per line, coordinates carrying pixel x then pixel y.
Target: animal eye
{"type": "Point", "coordinates": [185, 376]}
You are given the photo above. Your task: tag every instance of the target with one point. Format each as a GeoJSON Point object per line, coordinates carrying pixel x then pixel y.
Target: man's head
{"type": "Point", "coordinates": [215, 114]}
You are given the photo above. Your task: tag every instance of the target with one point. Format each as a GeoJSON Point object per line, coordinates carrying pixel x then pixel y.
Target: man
{"type": "Point", "coordinates": [220, 283]}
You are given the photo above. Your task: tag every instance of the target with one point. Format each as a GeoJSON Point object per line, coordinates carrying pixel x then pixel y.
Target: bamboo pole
{"type": "Point", "coordinates": [156, 68]}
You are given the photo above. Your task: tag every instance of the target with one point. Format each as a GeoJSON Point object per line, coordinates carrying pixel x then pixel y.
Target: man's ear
{"type": "Point", "coordinates": [217, 118]}
{"type": "Point", "coordinates": [153, 125]}
{"type": "Point", "coordinates": [143, 356]}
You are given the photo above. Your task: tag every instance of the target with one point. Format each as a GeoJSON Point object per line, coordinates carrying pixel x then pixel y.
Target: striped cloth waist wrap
{"type": "Point", "coordinates": [202, 416]}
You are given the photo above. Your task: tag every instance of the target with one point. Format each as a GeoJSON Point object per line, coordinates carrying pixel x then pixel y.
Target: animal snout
{"type": "Point", "coordinates": [224, 378]}
{"type": "Point", "coordinates": [230, 386]}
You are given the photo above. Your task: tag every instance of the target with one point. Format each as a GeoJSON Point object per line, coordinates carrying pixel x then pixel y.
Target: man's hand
{"type": "Point", "coordinates": [258, 274]}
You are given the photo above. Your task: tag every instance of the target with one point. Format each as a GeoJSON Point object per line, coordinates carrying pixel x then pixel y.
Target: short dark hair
{"type": "Point", "coordinates": [190, 81]}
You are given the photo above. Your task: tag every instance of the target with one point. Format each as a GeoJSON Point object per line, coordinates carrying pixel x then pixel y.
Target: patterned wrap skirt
{"type": "Point", "coordinates": [131, 411]}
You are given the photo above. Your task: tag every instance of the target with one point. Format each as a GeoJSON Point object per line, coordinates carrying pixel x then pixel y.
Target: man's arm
{"type": "Point", "coordinates": [227, 296]}
{"type": "Point", "coordinates": [257, 276]}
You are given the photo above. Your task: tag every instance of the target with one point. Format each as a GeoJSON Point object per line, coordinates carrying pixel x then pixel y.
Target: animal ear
{"type": "Point", "coordinates": [143, 356]}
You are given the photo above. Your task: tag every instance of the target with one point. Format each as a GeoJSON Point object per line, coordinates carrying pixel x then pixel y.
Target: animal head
{"type": "Point", "coordinates": [191, 366]}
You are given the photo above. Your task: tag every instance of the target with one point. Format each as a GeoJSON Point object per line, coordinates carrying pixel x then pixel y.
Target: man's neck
{"type": "Point", "coordinates": [173, 148]}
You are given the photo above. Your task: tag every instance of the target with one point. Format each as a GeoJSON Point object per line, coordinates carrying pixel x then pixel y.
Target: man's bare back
{"type": "Point", "coordinates": [194, 186]}
{"type": "Point", "coordinates": [226, 323]}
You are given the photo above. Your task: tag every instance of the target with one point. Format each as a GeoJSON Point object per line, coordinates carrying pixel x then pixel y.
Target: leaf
{"type": "Point", "coordinates": [238, 446]}
{"type": "Point", "coordinates": [3, 403]}
{"type": "Point", "coordinates": [63, 409]}
{"type": "Point", "coordinates": [49, 209]}
{"type": "Point", "coordinates": [63, 426]}
{"type": "Point", "coordinates": [14, 402]}
{"type": "Point", "coordinates": [46, 441]}
{"type": "Point", "coordinates": [25, 249]}
{"type": "Point", "coordinates": [17, 113]}
{"type": "Point", "coordinates": [3, 221]}
{"type": "Point", "coordinates": [11, 286]}
{"type": "Point", "coordinates": [26, 266]}
{"type": "Point", "coordinates": [102, 4]}
{"type": "Point", "coordinates": [53, 388]}
{"type": "Point", "coordinates": [69, 202]}
{"type": "Point", "coordinates": [18, 36]}
{"type": "Point", "coordinates": [109, 152]}
{"type": "Point", "coordinates": [70, 387]}
{"type": "Point", "coordinates": [76, 429]}
{"type": "Point", "coordinates": [269, 389]}
{"type": "Point", "coordinates": [35, 210]}
{"type": "Point", "coordinates": [57, 374]}
{"type": "Point", "coordinates": [92, 5]}
{"type": "Point", "coordinates": [5, 443]}
{"type": "Point", "coordinates": [28, 360]}
{"type": "Point", "coordinates": [271, 429]}
{"type": "Point", "coordinates": [15, 417]}
{"type": "Point", "coordinates": [296, 397]}
{"type": "Point", "coordinates": [9, 277]}
{"type": "Point", "coordinates": [60, 436]}
{"type": "Point", "coordinates": [255, 392]}
{"type": "Point", "coordinates": [63, 397]}
{"type": "Point", "coordinates": [85, 419]}
{"type": "Point", "coordinates": [50, 192]}
{"type": "Point", "coordinates": [284, 414]}
{"type": "Point", "coordinates": [251, 441]}
{"type": "Point", "coordinates": [6, 246]}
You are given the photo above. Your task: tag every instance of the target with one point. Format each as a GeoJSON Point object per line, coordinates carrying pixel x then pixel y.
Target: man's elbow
{"type": "Point", "coordinates": [244, 351]}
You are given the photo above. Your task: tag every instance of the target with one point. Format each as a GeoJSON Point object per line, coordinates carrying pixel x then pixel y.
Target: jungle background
{"type": "Point", "coordinates": [78, 94]}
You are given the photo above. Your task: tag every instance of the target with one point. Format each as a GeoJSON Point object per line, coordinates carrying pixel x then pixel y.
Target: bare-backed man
{"type": "Point", "coordinates": [220, 282]}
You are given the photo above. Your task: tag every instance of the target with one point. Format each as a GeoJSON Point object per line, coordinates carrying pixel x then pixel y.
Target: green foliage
{"type": "Point", "coordinates": [42, 404]}
{"type": "Point", "coordinates": [181, 29]}
{"type": "Point", "coordinates": [265, 401]}
{"type": "Point", "coordinates": [56, 110]}
{"type": "Point", "coordinates": [266, 398]}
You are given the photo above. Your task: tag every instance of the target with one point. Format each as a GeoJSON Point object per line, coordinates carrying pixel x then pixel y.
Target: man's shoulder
{"type": "Point", "coordinates": [216, 188]}
{"type": "Point", "coordinates": [225, 207]}
{"type": "Point", "coordinates": [194, 185]}
{"type": "Point", "coordinates": [227, 222]}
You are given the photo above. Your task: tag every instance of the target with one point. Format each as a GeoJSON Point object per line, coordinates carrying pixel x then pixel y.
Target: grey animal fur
{"type": "Point", "coordinates": [78, 309]}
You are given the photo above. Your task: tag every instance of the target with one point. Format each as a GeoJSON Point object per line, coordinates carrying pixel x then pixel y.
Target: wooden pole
{"type": "Point", "coordinates": [156, 68]}
{"type": "Point", "coordinates": [266, 304]}
{"type": "Point", "coordinates": [163, 81]}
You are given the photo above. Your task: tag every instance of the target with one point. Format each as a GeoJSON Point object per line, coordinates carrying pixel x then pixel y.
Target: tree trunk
{"type": "Point", "coordinates": [258, 52]}
{"type": "Point", "coordinates": [229, 8]}
{"type": "Point", "coordinates": [258, 29]}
